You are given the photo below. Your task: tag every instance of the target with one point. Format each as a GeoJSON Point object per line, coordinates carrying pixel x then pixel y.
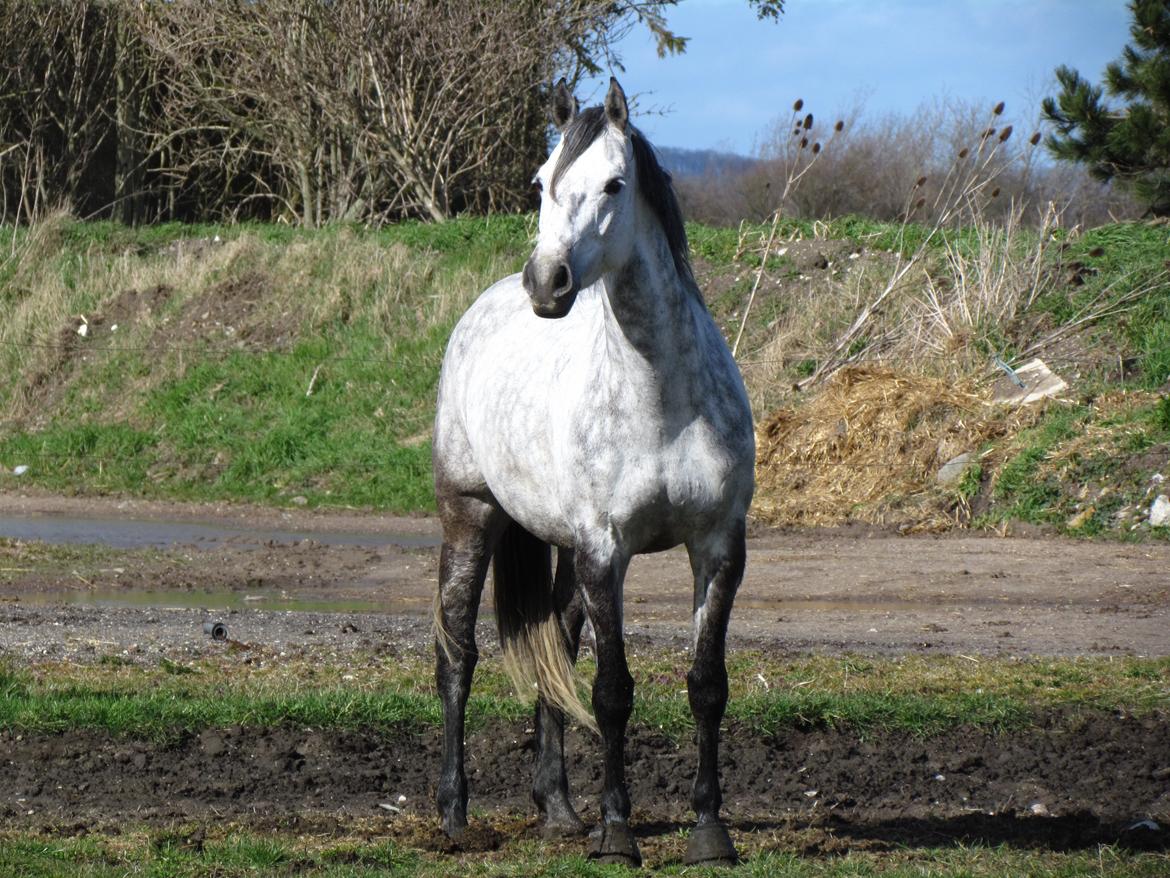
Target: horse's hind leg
{"type": "Point", "coordinates": [718, 565]}
{"type": "Point", "coordinates": [600, 581]}
{"type": "Point", "coordinates": [470, 529]}
{"type": "Point", "coordinates": [550, 788]}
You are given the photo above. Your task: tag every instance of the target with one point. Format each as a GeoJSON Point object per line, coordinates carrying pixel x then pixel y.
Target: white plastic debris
{"type": "Point", "coordinates": [1160, 511]}
{"type": "Point", "coordinates": [20, 470]}
{"type": "Point", "coordinates": [1036, 382]}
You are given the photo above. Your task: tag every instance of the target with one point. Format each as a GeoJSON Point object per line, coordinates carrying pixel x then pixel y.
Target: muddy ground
{"type": "Point", "coordinates": [1076, 781]}
{"type": "Point", "coordinates": [1071, 784]}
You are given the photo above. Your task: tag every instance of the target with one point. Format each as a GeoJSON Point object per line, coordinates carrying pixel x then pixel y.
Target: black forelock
{"type": "Point", "coordinates": [653, 180]}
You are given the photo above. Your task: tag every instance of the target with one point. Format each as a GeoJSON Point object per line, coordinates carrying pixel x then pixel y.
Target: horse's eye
{"type": "Point", "coordinates": [614, 186]}
{"type": "Point", "coordinates": [537, 186]}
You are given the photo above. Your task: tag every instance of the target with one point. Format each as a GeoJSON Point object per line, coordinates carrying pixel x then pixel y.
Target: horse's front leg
{"type": "Point", "coordinates": [718, 565]}
{"type": "Point", "coordinates": [463, 562]}
{"type": "Point", "coordinates": [599, 579]}
{"type": "Point", "coordinates": [550, 787]}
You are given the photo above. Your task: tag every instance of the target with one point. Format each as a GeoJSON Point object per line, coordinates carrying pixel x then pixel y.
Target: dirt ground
{"type": "Point", "coordinates": [1064, 786]}
{"type": "Point", "coordinates": [856, 590]}
{"type": "Point", "coordinates": [1075, 782]}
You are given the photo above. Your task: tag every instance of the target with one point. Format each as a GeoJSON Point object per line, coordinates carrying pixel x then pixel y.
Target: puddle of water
{"type": "Point", "coordinates": [128, 533]}
{"type": "Point", "coordinates": [197, 599]}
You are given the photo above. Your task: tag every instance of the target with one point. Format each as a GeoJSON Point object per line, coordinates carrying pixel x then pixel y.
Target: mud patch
{"type": "Point", "coordinates": [233, 312]}
{"type": "Point", "coordinates": [83, 340]}
{"type": "Point", "coordinates": [1075, 780]}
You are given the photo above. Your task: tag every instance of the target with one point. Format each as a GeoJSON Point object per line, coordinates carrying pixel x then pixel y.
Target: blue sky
{"type": "Point", "coordinates": [739, 74]}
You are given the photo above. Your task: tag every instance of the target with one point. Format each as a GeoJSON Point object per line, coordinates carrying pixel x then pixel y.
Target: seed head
{"type": "Point", "coordinates": [988, 133]}
{"type": "Point", "coordinates": [921, 201]}
{"type": "Point", "coordinates": [920, 182]}
{"type": "Point", "coordinates": [798, 106]}
{"type": "Point", "coordinates": [798, 131]}
{"type": "Point", "coordinates": [1035, 138]}
{"type": "Point", "coordinates": [995, 192]}
{"type": "Point", "coordinates": [964, 152]}
{"type": "Point", "coordinates": [803, 142]}
{"type": "Point", "coordinates": [816, 148]}
{"type": "Point", "coordinates": [840, 126]}
{"type": "Point", "coordinates": [808, 122]}
{"type": "Point", "coordinates": [998, 108]}
{"type": "Point", "coordinates": [1005, 134]}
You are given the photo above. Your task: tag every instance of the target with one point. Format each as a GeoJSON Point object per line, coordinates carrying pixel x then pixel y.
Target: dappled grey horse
{"type": "Point", "coordinates": [591, 404]}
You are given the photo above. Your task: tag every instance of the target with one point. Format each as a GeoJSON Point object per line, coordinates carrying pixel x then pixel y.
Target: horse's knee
{"type": "Point", "coordinates": [613, 697]}
{"type": "Point", "coordinates": [707, 689]}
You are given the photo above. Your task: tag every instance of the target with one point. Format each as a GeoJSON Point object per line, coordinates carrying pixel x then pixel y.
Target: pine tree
{"type": "Point", "coordinates": [1130, 144]}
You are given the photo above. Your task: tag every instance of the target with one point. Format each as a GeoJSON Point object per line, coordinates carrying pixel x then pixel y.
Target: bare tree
{"type": "Point", "coordinates": [311, 112]}
{"type": "Point", "coordinates": [54, 71]}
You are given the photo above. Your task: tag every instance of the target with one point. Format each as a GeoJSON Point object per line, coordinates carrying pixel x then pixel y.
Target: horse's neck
{"type": "Point", "coordinates": [654, 355]}
{"type": "Point", "coordinates": [649, 309]}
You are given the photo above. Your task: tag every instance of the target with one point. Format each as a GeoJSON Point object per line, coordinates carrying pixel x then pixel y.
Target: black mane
{"type": "Point", "coordinates": [653, 181]}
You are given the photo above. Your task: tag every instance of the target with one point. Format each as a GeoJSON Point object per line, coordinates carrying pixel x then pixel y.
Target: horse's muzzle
{"type": "Point", "coordinates": [550, 286]}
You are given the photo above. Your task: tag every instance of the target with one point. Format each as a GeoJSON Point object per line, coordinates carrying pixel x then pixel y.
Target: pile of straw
{"type": "Point", "coordinates": [869, 446]}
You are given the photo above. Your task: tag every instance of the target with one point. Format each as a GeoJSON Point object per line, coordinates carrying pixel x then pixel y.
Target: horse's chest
{"type": "Point", "coordinates": [640, 474]}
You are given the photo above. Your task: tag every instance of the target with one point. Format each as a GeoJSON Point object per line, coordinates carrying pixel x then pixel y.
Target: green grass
{"type": "Point", "coordinates": [1118, 260]}
{"type": "Point", "coordinates": [186, 854]}
{"type": "Point", "coordinates": [920, 696]}
{"type": "Point", "coordinates": [1095, 456]}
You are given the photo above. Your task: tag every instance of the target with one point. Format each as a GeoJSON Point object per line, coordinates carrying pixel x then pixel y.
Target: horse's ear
{"type": "Point", "coordinates": [564, 107]}
{"type": "Point", "coordinates": [617, 111]}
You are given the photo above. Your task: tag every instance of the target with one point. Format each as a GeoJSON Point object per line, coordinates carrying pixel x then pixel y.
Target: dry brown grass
{"type": "Point", "coordinates": [868, 448]}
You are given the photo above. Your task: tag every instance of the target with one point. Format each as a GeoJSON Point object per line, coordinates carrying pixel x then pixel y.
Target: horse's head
{"type": "Point", "coordinates": [586, 201]}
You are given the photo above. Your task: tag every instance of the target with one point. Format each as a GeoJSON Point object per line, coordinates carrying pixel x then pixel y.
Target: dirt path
{"type": "Point", "coordinates": [856, 590]}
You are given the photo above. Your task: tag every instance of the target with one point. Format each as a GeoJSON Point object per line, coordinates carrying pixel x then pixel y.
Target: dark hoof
{"type": "Point", "coordinates": [453, 825]}
{"type": "Point", "coordinates": [615, 844]}
{"type": "Point", "coordinates": [556, 829]}
{"type": "Point", "coordinates": [559, 819]}
{"type": "Point", "coordinates": [710, 845]}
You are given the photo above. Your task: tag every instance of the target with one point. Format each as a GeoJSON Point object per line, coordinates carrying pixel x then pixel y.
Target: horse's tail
{"type": "Point", "coordinates": [535, 646]}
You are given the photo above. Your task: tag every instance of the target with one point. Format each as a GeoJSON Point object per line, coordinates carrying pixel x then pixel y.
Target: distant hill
{"type": "Point", "coordinates": [703, 162]}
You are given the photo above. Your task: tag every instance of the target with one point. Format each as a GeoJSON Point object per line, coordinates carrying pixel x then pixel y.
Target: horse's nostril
{"type": "Point", "coordinates": [561, 280]}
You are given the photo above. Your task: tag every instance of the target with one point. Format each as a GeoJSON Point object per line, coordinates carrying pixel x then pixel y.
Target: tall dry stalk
{"type": "Point", "coordinates": [966, 189]}
{"type": "Point", "coordinates": [802, 155]}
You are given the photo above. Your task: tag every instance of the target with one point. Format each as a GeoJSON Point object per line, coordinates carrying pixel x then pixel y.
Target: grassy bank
{"type": "Point", "coordinates": [253, 363]}
{"type": "Point", "coordinates": [917, 695]}
{"type": "Point", "coordinates": [279, 365]}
